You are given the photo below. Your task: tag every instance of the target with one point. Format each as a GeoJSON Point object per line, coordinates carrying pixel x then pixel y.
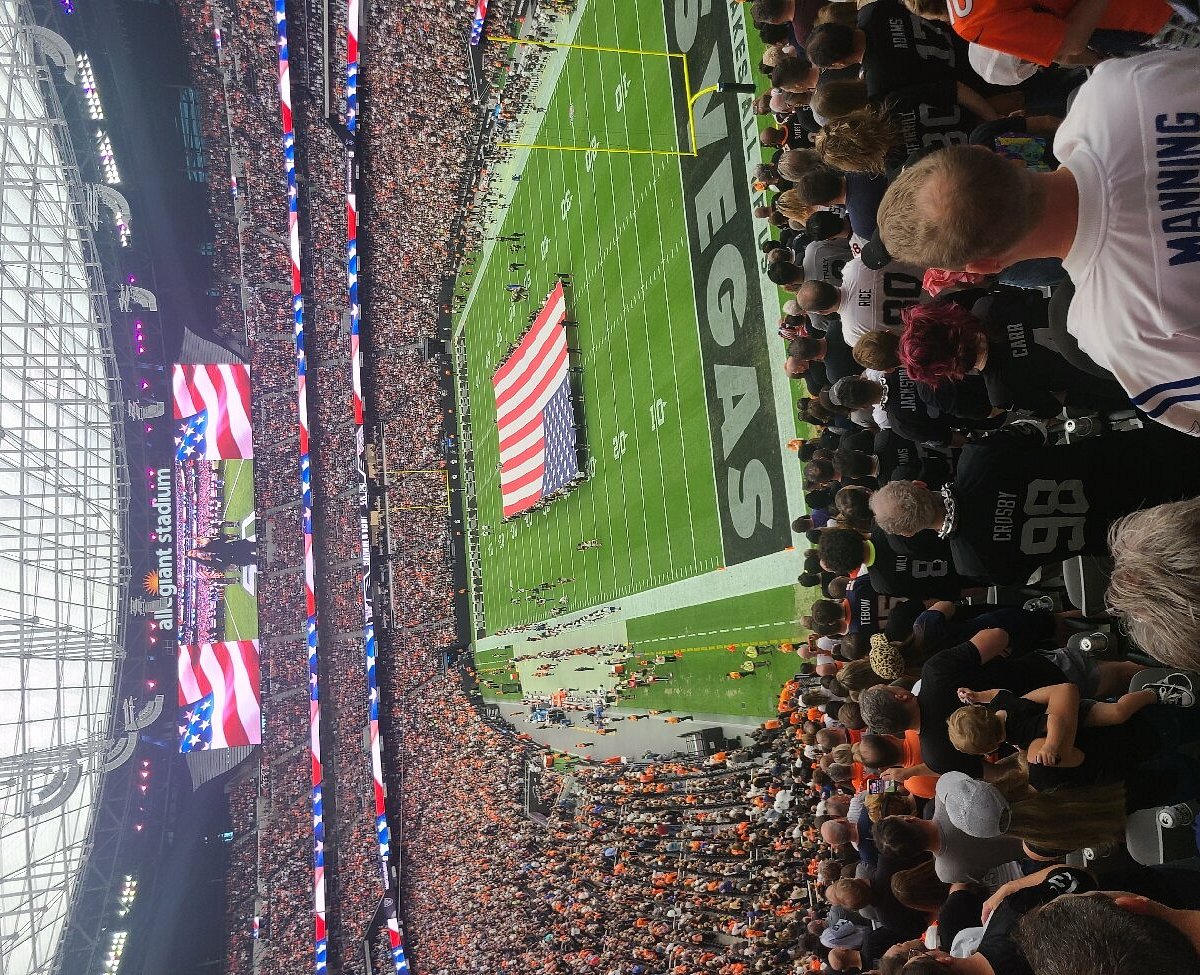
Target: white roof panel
{"type": "Point", "coordinates": [60, 513]}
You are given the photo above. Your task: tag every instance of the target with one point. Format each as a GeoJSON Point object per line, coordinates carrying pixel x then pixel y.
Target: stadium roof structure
{"type": "Point", "coordinates": [64, 494]}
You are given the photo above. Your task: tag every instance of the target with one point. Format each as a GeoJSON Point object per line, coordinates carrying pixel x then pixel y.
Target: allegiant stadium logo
{"type": "Point", "coordinates": [150, 583]}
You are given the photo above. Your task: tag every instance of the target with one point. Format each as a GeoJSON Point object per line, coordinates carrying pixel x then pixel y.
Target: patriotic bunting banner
{"type": "Point", "coordinates": [320, 936]}
{"type": "Point", "coordinates": [382, 830]}
{"type": "Point", "coordinates": [477, 24]}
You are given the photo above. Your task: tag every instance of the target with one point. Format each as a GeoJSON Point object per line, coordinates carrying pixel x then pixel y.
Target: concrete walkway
{"type": "Point", "coordinates": [626, 738]}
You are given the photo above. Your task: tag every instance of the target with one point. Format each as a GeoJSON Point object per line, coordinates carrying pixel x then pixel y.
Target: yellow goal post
{"type": "Point", "coordinates": [691, 99]}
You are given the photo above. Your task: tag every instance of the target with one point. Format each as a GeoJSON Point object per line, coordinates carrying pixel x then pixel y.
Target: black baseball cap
{"type": "Point", "coordinates": [875, 254]}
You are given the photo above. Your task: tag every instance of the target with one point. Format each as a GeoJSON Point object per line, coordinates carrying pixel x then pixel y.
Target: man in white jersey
{"type": "Point", "coordinates": [1122, 213]}
{"type": "Point", "coordinates": [867, 300]}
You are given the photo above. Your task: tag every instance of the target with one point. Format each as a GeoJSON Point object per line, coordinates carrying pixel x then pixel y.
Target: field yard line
{"type": "Point", "coordinates": [676, 637]}
{"type": "Point", "coordinates": [619, 470]}
{"type": "Point", "coordinates": [591, 409]}
{"type": "Point", "coordinates": [232, 630]}
{"type": "Point", "coordinates": [575, 502]}
{"type": "Point", "coordinates": [662, 480]}
{"type": "Point", "coordinates": [625, 329]}
{"type": "Point", "coordinates": [229, 489]}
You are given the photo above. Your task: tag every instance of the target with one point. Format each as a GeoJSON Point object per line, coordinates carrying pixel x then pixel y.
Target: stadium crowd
{"type": "Point", "coordinates": [240, 118]}
{"type": "Point", "coordinates": [911, 807]}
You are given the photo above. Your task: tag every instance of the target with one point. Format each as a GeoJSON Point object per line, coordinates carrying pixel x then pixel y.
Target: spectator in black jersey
{"type": "Point", "coordinates": [999, 952]}
{"type": "Point", "coordinates": [1017, 504]}
{"type": "Point", "coordinates": [896, 396]}
{"type": "Point", "coordinates": [1122, 933]}
{"type": "Point", "coordinates": [920, 568]}
{"type": "Point", "coordinates": [946, 624]}
{"type": "Point", "coordinates": [898, 124]}
{"type": "Point", "coordinates": [1002, 339]}
{"type": "Point", "coordinates": [986, 656]}
{"type": "Point", "coordinates": [856, 467]}
{"type": "Point", "coordinates": [902, 459]}
{"type": "Point", "coordinates": [1056, 729]}
{"type": "Point", "coordinates": [878, 139]}
{"type": "Point", "coordinates": [895, 47]}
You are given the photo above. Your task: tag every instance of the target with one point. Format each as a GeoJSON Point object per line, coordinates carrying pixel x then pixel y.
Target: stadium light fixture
{"type": "Point", "coordinates": [87, 82]}
{"type": "Point", "coordinates": [108, 161]}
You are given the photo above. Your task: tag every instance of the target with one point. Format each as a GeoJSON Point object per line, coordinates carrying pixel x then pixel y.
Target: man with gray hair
{"type": "Point", "coordinates": [1155, 584]}
{"type": "Point", "coordinates": [1017, 504]}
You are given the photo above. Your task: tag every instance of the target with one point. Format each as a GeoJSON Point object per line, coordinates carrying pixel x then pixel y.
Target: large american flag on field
{"type": "Point", "coordinates": [220, 391]}
{"type": "Point", "coordinates": [219, 704]}
{"type": "Point", "coordinates": [534, 418]}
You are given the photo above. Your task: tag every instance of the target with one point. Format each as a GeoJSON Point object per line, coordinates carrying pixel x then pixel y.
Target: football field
{"type": "Point", "coordinates": [685, 419]}
{"type": "Point", "coordinates": [241, 607]}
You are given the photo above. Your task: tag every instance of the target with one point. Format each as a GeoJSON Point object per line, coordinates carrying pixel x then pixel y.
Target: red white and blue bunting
{"type": "Point", "coordinates": [382, 830]}
{"type": "Point", "coordinates": [320, 936]}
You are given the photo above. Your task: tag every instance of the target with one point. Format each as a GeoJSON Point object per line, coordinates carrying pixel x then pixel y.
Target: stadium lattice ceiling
{"type": "Point", "coordinates": [63, 496]}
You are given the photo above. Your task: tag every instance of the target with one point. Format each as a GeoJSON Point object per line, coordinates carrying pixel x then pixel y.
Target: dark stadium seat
{"type": "Point", "coordinates": [1086, 579]}
{"type": "Point", "coordinates": [1149, 842]}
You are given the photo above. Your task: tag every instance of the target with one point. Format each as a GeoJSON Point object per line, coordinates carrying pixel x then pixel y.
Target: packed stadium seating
{"type": "Point", "coordinates": [763, 858]}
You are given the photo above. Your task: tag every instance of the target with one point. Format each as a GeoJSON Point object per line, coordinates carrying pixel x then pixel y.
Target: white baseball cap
{"type": "Point", "coordinates": [999, 68]}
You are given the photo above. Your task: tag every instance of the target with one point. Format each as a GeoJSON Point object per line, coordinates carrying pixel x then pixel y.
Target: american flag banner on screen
{"type": "Point", "coordinates": [218, 695]}
{"type": "Point", "coordinates": [195, 726]}
{"type": "Point", "coordinates": [222, 392]}
{"type": "Point", "coordinates": [191, 437]}
{"type": "Point", "coordinates": [534, 416]}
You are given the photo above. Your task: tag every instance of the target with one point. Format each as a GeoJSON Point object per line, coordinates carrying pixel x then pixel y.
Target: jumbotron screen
{"type": "Point", "coordinates": [216, 557]}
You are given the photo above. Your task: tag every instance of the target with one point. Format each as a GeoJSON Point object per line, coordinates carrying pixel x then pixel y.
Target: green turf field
{"type": "Point", "coordinates": [241, 608]}
{"type": "Point", "coordinates": [614, 222]}
{"type": "Point", "coordinates": [773, 614]}
{"type": "Point", "coordinates": [691, 488]}
{"type": "Point", "coordinates": [700, 681]}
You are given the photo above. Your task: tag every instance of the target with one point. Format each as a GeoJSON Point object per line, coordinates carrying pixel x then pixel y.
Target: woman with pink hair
{"type": "Point", "coordinates": [1004, 339]}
